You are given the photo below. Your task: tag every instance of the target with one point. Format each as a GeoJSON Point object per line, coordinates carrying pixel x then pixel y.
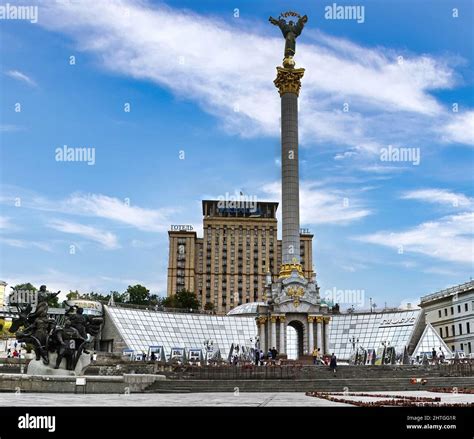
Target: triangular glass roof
{"type": "Point", "coordinates": [430, 340]}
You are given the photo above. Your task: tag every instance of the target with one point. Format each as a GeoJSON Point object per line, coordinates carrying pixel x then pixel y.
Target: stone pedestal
{"type": "Point", "coordinates": [37, 367]}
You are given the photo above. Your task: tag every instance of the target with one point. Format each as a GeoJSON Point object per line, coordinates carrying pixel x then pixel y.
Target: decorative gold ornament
{"type": "Point", "coordinates": [282, 319]}
{"type": "Point", "coordinates": [311, 319]}
{"type": "Point", "coordinates": [274, 319]}
{"type": "Point", "coordinates": [288, 79]}
{"type": "Point", "coordinates": [286, 270]}
{"type": "Point", "coordinates": [296, 293]}
{"type": "Point", "coordinates": [319, 319]}
{"type": "Point", "coordinates": [289, 62]}
{"type": "Point", "coordinates": [327, 320]}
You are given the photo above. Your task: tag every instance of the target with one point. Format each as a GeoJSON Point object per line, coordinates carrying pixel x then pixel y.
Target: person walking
{"type": "Point", "coordinates": [315, 356]}
{"type": "Point", "coordinates": [434, 356]}
{"type": "Point", "coordinates": [262, 357]}
{"type": "Point", "coordinates": [333, 363]}
{"type": "Point", "coordinates": [257, 357]}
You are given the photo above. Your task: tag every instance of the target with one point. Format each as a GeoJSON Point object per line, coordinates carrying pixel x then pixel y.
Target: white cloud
{"type": "Point", "coordinates": [460, 129]}
{"type": "Point", "coordinates": [19, 76]}
{"type": "Point", "coordinates": [322, 205]}
{"type": "Point", "coordinates": [449, 239]}
{"type": "Point", "coordinates": [102, 206]}
{"type": "Point", "coordinates": [5, 223]}
{"type": "Point", "coordinates": [207, 60]}
{"type": "Point", "coordinates": [22, 243]}
{"type": "Point", "coordinates": [438, 196]}
{"type": "Point", "coordinates": [98, 206]}
{"type": "Point", "coordinates": [106, 239]}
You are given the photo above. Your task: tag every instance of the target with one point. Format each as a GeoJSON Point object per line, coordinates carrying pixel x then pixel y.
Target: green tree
{"type": "Point", "coordinates": [139, 295]}
{"type": "Point", "coordinates": [25, 287]}
{"type": "Point", "coordinates": [73, 295]}
{"type": "Point", "coordinates": [209, 306]}
{"type": "Point", "coordinates": [118, 298]}
{"type": "Point", "coordinates": [182, 299]}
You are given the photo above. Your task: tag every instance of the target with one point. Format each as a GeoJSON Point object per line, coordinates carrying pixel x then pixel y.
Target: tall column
{"type": "Point", "coordinates": [274, 332]}
{"type": "Point", "coordinates": [263, 344]}
{"type": "Point", "coordinates": [282, 335]}
{"type": "Point", "coordinates": [319, 335]}
{"type": "Point", "coordinates": [310, 334]}
{"type": "Point", "coordinates": [288, 82]}
{"type": "Point", "coordinates": [326, 334]}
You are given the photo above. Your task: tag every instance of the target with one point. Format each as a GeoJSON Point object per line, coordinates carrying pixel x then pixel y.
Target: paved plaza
{"type": "Point", "coordinates": [207, 399]}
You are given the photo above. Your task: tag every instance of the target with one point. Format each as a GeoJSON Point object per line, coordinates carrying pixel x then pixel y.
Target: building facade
{"type": "Point", "coordinates": [3, 286]}
{"type": "Point", "coordinates": [228, 265]}
{"type": "Point", "coordinates": [451, 313]}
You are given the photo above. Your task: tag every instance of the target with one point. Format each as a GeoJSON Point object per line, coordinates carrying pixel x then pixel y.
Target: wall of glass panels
{"type": "Point", "coordinates": [350, 331]}
{"type": "Point", "coordinates": [141, 329]}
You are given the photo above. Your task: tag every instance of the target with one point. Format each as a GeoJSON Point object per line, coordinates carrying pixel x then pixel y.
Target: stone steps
{"type": "Point", "coordinates": [330, 385]}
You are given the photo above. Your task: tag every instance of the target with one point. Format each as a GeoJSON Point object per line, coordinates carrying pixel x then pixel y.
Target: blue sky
{"type": "Point", "coordinates": [198, 78]}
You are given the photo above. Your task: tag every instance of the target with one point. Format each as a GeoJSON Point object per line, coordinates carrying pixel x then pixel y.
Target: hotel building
{"type": "Point", "coordinates": [227, 266]}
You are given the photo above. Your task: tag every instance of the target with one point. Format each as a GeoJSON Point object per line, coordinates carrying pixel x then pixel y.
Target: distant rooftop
{"type": "Point", "coordinates": [239, 208]}
{"type": "Point", "coordinates": [449, 291]}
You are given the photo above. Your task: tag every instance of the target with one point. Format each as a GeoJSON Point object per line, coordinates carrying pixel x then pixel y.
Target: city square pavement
{"type": "Point", "coordinates": [206, 399]}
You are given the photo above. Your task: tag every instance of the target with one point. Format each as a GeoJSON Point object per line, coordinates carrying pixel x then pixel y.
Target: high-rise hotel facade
{"type": "Point", "coordinates": [228, 265]}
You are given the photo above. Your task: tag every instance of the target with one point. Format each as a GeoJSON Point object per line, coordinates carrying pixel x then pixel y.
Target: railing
{"type": "Point", "coordinates": [245, 372]}
{"type": "Point", "coordinates": [448, 291]}
{"type": "Point", "coordinates": [160, 308]}
{"type": "Point", "coordinates": [461, 367]}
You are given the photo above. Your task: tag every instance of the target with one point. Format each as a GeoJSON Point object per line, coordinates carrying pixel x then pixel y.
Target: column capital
{"type": "Point", "coordinates": [327, 319]}
{"type": "Point", "coordinates": [311, 319]}
{"type": "Point", "coordinates": [282, 319]}
{"type": "Point", "coordinates": [288, 80]}
{"type": "Point", "coordinates": [274, 319]}
{"type": "Point", "coordinates": [261, 320]}
{"type": "Point", "coordinates": [319, 319]}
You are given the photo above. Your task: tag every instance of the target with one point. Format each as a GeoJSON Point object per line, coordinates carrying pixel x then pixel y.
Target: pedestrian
{"type": "Point", "coordinates": [144, 356]}
{"type": "Point", "coordinates": [333, 363]}
{"type": "Point", "coordinates": [257, 357]}
{"type": "Point", "coordinates": [262, 357]}
{"type": "Point", "coordinates": [441, 355]}
{"type": "Point", "coordinates": [274, 353]}
{"type": "Point", "coordinates": [315, 356]}
{"type": "Point", "coordinates": [434, 356]}
{"type": "Point", "coordinates": [153, 357]}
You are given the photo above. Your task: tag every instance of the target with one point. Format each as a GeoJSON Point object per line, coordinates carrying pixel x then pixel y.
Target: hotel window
{"type": "Point", "coordinates": [441, 332]}
{"type": "Point", "coordinates": [439, 313]}
{"type": "Point", "coordinates": [452, 310]}
{"type": "Point", "coordinates": [468, 327]}
{"type": "Point", "coordinates": [445, 311]}
{"type": "Point", "coordinates": [453, 332]}
{"type": "Point", "coordinates": [466, 307]}
{"type": "Point", "coordinates": [460, 329]}
{"type": "Point", "coordinates": [459, 308]}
